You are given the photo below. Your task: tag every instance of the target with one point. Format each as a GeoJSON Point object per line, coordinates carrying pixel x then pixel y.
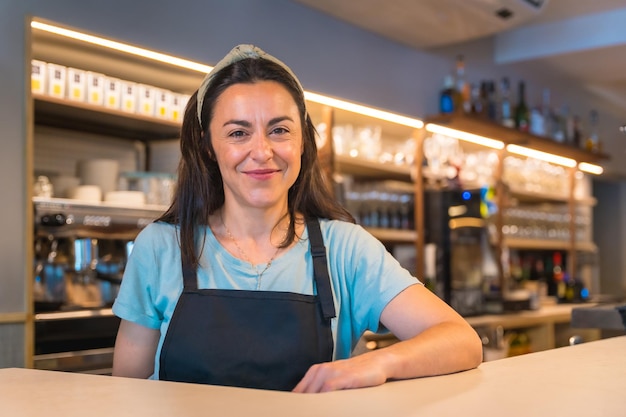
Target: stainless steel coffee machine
{"type": "Point", "coordinates": [80, 253]}
{"type": "Point", "coordinates": [464, 261]}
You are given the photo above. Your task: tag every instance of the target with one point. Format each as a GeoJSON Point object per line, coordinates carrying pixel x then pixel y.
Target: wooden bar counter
{"type": "Point", "coordinates": [582, 380]}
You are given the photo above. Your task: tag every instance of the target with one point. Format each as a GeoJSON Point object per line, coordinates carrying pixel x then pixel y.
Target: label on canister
{"type": "Point", "coordinates": [163, 104]}
{"type": "Point", "coordinates": [129, 96]}
{"type": "Point", "coordinates": [146, 99]}
{"type": "Point", "coordinates": [38, 76]}
{"type": "Point", "coordinates": [112, 93]}
{"type": "Point", "coordinates": [56, 80]}
{"type": "Point", "coordinates": [95, 88]}
{"type": "Point", "coordinates": [75, 84]}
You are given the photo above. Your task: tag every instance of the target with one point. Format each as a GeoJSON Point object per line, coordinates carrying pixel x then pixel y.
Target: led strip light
{"type": "Point", "coordinates": [317, 98]}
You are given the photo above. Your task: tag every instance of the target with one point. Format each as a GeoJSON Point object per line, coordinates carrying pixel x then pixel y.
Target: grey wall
{"type": "Point", "coordinates": [610, 226]}
{"type": "Point", "coordinates": [330, 57]}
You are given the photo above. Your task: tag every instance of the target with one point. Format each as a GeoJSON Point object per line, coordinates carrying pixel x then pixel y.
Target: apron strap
{"type": "Point", "coordinates": [320, 268]}
{"type": "Point", "coordinates": [190, 277]}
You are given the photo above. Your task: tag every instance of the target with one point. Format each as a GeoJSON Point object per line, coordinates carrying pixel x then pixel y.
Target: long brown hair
{"type": "Point", "coordinates": [200, 189]}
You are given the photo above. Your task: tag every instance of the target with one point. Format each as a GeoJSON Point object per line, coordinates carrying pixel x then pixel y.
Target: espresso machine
{"type": "Point", "coordinates": [80, 251]}
{"type": "Point", "coordinates": [464, 262]}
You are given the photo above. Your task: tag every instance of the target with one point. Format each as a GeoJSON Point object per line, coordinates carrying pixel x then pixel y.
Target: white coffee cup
{"type": "Point", "coordinates": [63, 184]}
{"type": "Point", "coordinates": [101, 172]}
{"type": "Point", "coordinates": [86, 193]}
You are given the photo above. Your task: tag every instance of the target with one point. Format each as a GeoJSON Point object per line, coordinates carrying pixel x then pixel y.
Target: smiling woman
{"type": "Point", "coordinates": [255, 276]}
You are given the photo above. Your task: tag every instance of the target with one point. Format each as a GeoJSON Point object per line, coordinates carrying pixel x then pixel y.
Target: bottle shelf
{"type": "Point", "coordinates": [493, 130]}
{"type": "Point", "coordinates": [547, 244]}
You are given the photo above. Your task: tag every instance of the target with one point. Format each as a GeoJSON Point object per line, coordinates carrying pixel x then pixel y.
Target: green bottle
{"type": "Point", "coordinates": [522, 116]}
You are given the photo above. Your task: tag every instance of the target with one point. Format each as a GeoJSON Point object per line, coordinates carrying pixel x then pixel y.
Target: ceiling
{"type": "Point", "coordinates": [585, 39]}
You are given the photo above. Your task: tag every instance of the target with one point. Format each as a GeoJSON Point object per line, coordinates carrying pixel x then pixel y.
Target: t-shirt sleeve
{"type": "Point", "coordinates": [136, 301]}
{"type": "Point", "coordinates": [372, 275]}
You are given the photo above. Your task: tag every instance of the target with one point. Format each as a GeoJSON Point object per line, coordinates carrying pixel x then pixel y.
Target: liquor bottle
{"type": "Point", "coordinates": [550, 119]}
{"type": "Point", "coordinates": [476, 103]}
{"type": "Point", "coordinates": [540, 275]}
{"type": "Point", "coordinates": [559, 133]}
{"type": "Point", "coordinates": [506, 116]}
{"type": "Point", "coordinates": [537, 122]}
{"type": "Point", "coordinates": [492, 106]}
{"type": "Point", "coordinates": [558, 276]}
{"type": "Point", "coordinates": [522, 116]}
{"type": "Point", "coordinates": [541, 117]}
{"type": "Point", "coordinates": [592, 144]}
{"type": "Point", "coordinates": [480, 99]}
{"type": "Point", "coordinates": [446, 96]}
{"type": "Point", "coordinates": [462, 90]}
{"type": "Point", "coordinates": [577, 132]}
{"type": "Point", "coordinates": [569, 126]}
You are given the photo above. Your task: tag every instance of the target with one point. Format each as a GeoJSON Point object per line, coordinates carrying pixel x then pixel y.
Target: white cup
{"type": "Point", "coordinates": [62, 184]}
{"type": "Point", "coordinates": [86, 193]}
{"type": "Point", "coordinates": [101, 172]}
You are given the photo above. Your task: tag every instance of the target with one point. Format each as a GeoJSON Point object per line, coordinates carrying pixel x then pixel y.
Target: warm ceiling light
{"type": "Point", "coordinates": [544, 156]}
{"type": "Point", "coordinates": [467, 137]}
{"type": "Point", "coordinates": [157, 56]}
{"type": "Point", "coordinates": [366, 111]}
{"type": "Point", "coordinates": [118, 46]}
{"type": "Point", "coordinates": [590, 168]}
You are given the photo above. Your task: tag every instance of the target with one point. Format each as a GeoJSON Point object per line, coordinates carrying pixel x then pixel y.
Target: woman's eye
{"type": "Point", "coordinates": [280, 131]}
{"type": "Point", "coordinates": [238, 134]}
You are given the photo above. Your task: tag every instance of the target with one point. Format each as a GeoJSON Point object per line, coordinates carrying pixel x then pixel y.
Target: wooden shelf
{"type": "Point", "coordinates": [393, 235]}
{"type": "Point", "coordinates": [55, 112]}
{"type": "Point", "coordinates": [547, 244]}
{"type": "Point", "coordinates": [490, 129]}
{"type": "Point", "coordinates": [365, 168]}
{"type": "Point", "coordinates": [533, 197]}
{"type": "Point", "coordinates": [526, 196]}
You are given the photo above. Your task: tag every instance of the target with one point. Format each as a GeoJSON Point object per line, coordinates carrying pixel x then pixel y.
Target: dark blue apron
{"type": "Point", "coordinates": [252, 339]}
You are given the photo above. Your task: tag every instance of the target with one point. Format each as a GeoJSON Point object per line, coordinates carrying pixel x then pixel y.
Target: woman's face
{"type": "Point", "coordinates": [257, 138]}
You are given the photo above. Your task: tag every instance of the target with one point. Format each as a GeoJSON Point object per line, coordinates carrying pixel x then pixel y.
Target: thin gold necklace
{"type": "Point", "coordinates": [259, 275]}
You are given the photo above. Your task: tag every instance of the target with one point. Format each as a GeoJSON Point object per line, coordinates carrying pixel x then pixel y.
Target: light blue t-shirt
{"type": "Point", "coordinates": [364, 278]}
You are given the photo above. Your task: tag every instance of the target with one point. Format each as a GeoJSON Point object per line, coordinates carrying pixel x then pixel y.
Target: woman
{"type": "Point", "coordinates": [255, 276]}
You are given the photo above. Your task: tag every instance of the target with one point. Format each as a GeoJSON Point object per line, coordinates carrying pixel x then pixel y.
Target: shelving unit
{"type": "Point", "coordinates": [73, 119]}
{"type": "Point", "coordinates": [510, 194]}
{"type": "Point", "coordinates": [63, 113]}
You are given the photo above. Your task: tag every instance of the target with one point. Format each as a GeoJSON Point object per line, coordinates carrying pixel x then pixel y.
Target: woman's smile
{"type": "Point", "coordinates": [261, 174]}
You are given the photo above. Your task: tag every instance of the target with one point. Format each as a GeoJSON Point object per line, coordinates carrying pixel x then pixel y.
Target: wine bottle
{"type": "Point", "coordinates": [522, 121]}
{"type": "Point", "coordinates": [446, 96]}
{"type": "Point", "coordinates": [592, 144]}
{"type": "Point", "coordinates": [558, 276]}
{"type": "Point", "coordinates": [505, 114]}
{"type": "Point", "coordinates": [462, 92]}
{"type": "Point", "coordinates": [549, 117]}
{"type": "Point", "coordinates": [492, 107]}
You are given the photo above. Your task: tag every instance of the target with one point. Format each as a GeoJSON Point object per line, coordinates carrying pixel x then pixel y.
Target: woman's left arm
{"type": "Point", "coordinates": [435, 340]}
